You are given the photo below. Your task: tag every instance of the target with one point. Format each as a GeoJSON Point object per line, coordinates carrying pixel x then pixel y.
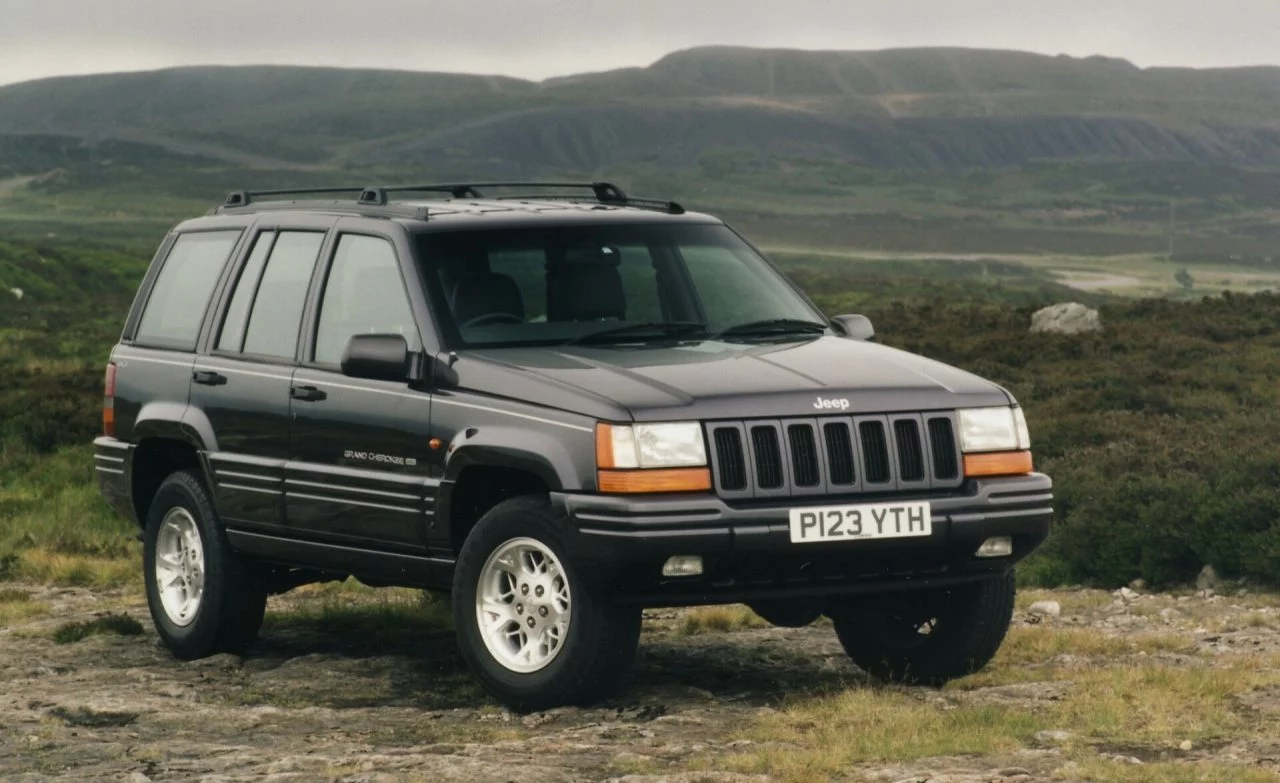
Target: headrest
{"type": "Point", "coordinates": [485, 294]}
{"type": "Point", "coordinates": [589, 292]}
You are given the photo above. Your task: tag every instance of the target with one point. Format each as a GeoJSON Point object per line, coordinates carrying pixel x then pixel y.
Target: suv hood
{"type": "Point", "coordinates": [724, 380]}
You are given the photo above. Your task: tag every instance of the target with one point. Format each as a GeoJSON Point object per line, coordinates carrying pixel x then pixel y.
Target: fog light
{"type": "Point", "coordinates": [1000, 546]}
{"type": "Point", "coordinates": [683, 565]}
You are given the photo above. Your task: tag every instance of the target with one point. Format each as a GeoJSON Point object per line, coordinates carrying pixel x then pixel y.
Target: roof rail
{"type": "Point", "coordinates": [603, 192]}
{"type": "Point", "coordinates": [243, 198]}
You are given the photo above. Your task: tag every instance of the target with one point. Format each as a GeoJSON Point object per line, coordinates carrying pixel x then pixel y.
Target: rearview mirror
{"type": "Point", "coordinates": [377, 357]}
{"type": "Point", "coordinates": [855, 327]}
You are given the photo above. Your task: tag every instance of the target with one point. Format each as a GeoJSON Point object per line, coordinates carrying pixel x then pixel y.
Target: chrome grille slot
{"type": "Point", "coordinates": [875, 452]}
{"type": "Point", "coordinates": [840, 464]}
{"type": "Point", "coordinates": [906, 435]}
{"type": "Point", "coordinates": [731, 459]}
{"type": "Point", "coordinates": [942, 447]}
{"type": "Point", "coordinates": [804, 455]}
{"type": "Point", "coordinates": [768, 454]}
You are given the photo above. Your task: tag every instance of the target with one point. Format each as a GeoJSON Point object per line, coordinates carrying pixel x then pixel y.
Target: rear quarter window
{"type": "Point", "coordinates": [176, 305]}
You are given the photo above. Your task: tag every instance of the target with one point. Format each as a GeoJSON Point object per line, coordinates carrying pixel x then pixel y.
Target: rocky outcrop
{"type": "Point", "coordinates": [1068, 318]}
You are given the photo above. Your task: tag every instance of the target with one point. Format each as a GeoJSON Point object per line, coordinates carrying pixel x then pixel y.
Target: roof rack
{"type": "Point", "coordinates": [602, 192]}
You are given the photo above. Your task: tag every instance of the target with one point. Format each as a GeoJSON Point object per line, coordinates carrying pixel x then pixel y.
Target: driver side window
{"type": "Point", "coordinates": [364, 294]}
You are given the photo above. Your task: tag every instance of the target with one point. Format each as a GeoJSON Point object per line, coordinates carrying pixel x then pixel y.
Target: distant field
{"type": "Point", "coordinates": [1124, 275]}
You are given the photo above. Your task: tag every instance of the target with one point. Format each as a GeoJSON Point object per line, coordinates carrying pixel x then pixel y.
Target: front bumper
{"type": "Point", "coordinates": [748, 554]}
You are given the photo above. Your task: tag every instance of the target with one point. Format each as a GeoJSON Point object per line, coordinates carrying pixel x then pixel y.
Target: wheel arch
{"type": "Point", "coordinates": [155, 459]}
{"type": "Point", "coordinates": [481, 485]}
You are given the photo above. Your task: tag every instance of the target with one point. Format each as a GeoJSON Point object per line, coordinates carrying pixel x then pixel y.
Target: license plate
{"type": "Point", "coordinates": [861, 522]}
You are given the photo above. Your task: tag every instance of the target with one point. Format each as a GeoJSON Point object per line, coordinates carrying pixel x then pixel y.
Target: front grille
{"type": "Point", "coordinates": [834, 455]}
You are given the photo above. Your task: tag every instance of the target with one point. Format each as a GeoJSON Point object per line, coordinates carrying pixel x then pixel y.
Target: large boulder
{"type": "Point", "coordinates": [1068, 318]}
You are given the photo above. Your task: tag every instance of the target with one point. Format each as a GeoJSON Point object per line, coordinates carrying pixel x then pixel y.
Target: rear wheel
{"type": "Point", "coordinates": [535, 630]}
{"type": "Point", "coordinates": [927, 636]}
{"type": "Point", "coordinates": [204, 597]}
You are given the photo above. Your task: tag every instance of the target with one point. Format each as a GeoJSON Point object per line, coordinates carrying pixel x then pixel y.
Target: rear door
{"type": "Point", "coordinates": [157, 350]}
{"type": "Point", "coordinates": [242, 383]}
{"type": "Point", "coordinates": [360, 468]}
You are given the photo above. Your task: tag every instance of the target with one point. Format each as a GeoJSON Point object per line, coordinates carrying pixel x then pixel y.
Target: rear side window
{"type": "Point", "coordinates": [233, 325]}
{"type": "Point", "coordinates": [276, 314]}
{"type": "Point", "coordinates": [176, 306]}
{"type": "Point", "coordinates": [364, 295]}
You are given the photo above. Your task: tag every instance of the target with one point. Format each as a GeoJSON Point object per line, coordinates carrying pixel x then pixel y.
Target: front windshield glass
{"type": "Point", "coordinates": [604, 283]}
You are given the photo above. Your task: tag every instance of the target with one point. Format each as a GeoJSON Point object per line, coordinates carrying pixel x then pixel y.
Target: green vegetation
{"type": "Point", "coordinates": [111, 623]}
{"type": "Point", "coordinates": [1158, 431]}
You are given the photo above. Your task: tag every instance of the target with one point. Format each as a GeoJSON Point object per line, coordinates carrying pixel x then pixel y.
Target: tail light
{"type": "Point", "coordinates": [109, 402]}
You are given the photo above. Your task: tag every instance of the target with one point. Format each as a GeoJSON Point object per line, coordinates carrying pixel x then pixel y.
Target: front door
{"type": "Point", "coordinates": [359, 473]}
{"type": "Point", "coordinates": [242, 384]}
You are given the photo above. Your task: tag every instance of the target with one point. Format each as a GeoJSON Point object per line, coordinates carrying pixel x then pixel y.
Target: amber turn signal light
{"type": "Point", "coordinates": [642, 481]}
{"type": "Point", "coordinates": [604, 446]}
{"type": "Point", "coordinates": [1000, 463]}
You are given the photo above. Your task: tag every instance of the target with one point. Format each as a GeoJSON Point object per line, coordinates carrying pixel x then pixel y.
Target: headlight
{"type": "Point", "coordinates": [1024, 434]}
{"type": "Point", "coordinates": [675, 445]}
{"type": "Point", "coordinates": [993, 429]}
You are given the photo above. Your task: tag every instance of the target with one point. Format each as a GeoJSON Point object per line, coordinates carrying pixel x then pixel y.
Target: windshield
{"type": "Point", "coordinates": [605, 283]}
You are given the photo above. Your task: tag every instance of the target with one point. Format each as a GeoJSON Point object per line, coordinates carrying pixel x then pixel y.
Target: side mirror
{"type": "Point", "coordinates": [855, 327]}
{"type": "Point", "coordinates": [378, 357]}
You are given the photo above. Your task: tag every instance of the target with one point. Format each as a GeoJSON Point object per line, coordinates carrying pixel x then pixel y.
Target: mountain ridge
{"type": "Point", "coordinates": [905, 108]}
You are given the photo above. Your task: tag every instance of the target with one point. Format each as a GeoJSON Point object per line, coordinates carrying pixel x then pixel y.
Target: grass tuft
{"type": "Point", "coordinates": [121, 624]}
{"type": "Point", "coordinates": [820, 738]}
{"type": "Point", "coordinates": [718, 619]}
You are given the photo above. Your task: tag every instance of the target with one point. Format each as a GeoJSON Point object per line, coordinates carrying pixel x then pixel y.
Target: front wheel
{"type": "Point", "coordinates": [536, 632]}
{"type": "Point", "coordinates": [928, 636]}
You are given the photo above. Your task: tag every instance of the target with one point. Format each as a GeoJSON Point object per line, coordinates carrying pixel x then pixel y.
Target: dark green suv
{"type": "Point", "coordinates": [562, 405]}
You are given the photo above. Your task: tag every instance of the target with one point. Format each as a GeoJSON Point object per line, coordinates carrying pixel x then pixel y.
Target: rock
{"type": "Point", "coordinates": [1185, 745]}
{"type": "Point", "coordinates": [1046, 608]}
{"type": "Point", "coordinates": [1138, 584]}
{"type": "Point", "coordinates": [220, 661]}
{"type": "Point", "coordinates": [1053, 736]}
{"type": "Point", "coordinates": [17, 293]}
{"type": "Point", "coordinates": [138, 777]}
{"type": "Point", "coordinates": [1208, 578]}
{"type": "Point", "coordinates": [1068, 318]}
{"type": "Point", "coordinates": [1126, 594]}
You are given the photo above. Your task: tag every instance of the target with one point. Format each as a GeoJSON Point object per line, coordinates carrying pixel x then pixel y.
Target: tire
{"type": "Point", "coordinates": [585, 645]}
{"type": "Point", "coordinates": [229, 595]}
{"type": "Point", "coordinates": [928, 637]}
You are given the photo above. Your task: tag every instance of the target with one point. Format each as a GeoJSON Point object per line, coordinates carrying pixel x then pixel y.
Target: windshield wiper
{"type": "Point", "coordinates": [656, 328]}
{"type": "Point", "coordinates": [772, 326]}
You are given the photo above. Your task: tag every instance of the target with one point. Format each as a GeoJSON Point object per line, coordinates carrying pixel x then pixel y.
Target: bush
{"type": "Point", "coordinates": [1159, 432]}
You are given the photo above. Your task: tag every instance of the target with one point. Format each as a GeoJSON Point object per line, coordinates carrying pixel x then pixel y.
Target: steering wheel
{"type": "Point", "coordinates": [493, 318]}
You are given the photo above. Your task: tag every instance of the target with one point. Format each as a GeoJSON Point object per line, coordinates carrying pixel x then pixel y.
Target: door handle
{"type": "Point", "coordinates": [306, 393]}
{"type": "Point", "coordinates": [208, 378]}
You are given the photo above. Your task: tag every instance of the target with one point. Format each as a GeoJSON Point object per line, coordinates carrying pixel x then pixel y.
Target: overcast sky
{"type": "Point", "coordinates": [540, 38]}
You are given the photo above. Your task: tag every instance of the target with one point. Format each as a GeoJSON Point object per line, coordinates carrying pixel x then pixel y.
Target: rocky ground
{"type": "Point", "coordinates": [331, 695]}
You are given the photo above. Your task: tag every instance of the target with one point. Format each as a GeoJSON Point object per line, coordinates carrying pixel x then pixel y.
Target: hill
{"type": "Point", "coordinates": [910, 108]}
